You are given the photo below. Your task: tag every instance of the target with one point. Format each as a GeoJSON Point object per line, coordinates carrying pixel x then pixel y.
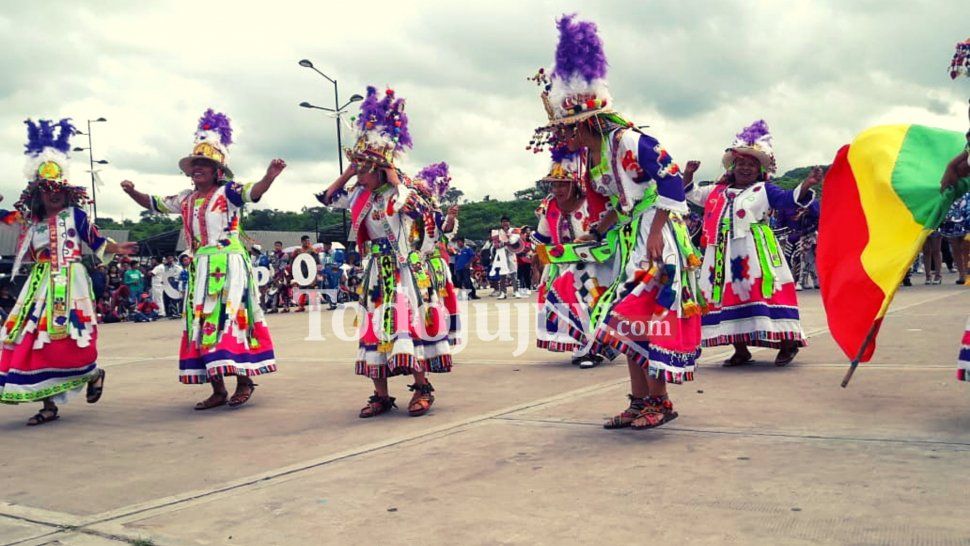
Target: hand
{"type": "Point", "coordinates": [814, 178]}
{"type": "Point", "coordinates": [124, 249]}
{"type": "Point", "coordinates": [128, 186]}
{"type": "Point", "coordinates": [692, 166]}
{"type": "Point", "coordinates": [453, 211]}
{"type": "Point", "coordinates": [655, 245]}
{"type": "Point", "coordinates": [392, 177]}
{"type": "Point", "coordinates": [276, 166]}
{"type": "Point", "coordinates": [585, 238]}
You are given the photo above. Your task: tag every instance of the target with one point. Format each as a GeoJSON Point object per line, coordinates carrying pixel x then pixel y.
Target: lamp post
{"type": "Point", "coordinates": [337, 110]}
{"type": "Point", "coordinates": [91, 161]}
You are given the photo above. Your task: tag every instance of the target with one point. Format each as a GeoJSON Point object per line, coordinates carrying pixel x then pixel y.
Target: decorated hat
{"type": "Point", "coordinates": [577, 86]}
{"type": "Point", "coordinates": [960, 65]}
{"type": "Point", "coordinates": [382, 129]}
{"type": "Point", "coordinates": [47, 166]}
{"type": "Point", "coordinates": [755, 141]}
{"type": "Point", "coordinates": [435, 178]}
{"type": "Point", "coordinates": [566, 166]}
{"type": "Point", "coordinates": [212, 140]}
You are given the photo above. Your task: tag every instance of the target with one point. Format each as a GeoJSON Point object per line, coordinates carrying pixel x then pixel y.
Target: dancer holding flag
{"type": "Point", "coordinates": [225, 333]}
{"type": "Point", "coordinates": [402, 333]}
{"type": "Point", "coordinates": [959, 168]}
{"type": "Point", "coordinates": [650, 312]}
{"type": "Point", "coordinates": [881, 203]}
{"type": "Point", "coordinates": [744, 276]}
{"type": "Point", "coordinates": [50, 337]}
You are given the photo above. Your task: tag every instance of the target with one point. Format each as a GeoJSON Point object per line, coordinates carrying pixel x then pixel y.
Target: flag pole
{"type": "Point", "coordinates": [855, 362]}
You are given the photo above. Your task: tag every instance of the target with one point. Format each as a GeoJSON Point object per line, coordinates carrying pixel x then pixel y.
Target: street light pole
{"type": "Point", "coordinates": [91, 162]}
{"type": "Point", "coordinates": [94, 194]}
{"type": "Point", "coordinates": [337, 110]}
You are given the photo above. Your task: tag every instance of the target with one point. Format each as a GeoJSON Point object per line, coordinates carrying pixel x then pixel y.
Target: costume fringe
{"type": "Point", "coordinates": [760, 338]}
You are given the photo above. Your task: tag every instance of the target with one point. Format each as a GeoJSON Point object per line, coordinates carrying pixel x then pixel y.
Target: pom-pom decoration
{"type": "Point", "coordinates": [436, 177]}
{"type": "Point", "coordinates": [960, 65]}
{"type": "Point", "coordinates": [382, 128]}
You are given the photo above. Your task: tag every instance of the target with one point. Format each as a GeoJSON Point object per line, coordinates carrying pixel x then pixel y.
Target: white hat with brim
{"type": "Point", "coordinates": [766, 159]}
{"type": "Point", "coordinates": [186, 165]}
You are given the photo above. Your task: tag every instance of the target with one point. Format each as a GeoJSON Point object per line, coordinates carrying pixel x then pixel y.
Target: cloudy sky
{"type": "Point", "coordinates": [694, 71]}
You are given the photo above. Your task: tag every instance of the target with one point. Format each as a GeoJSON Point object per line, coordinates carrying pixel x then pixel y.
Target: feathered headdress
{"type": "Point", "coordinates": [382, 129]}
{"type": "Point", "coordinates": [436, 177]}
{"type": "Point", "coordinates": [578, 87]}
{"type": "Point", "coordinates": [566, 166]}
{"type": "Point", "coordinates": [212, 140]}
{"type": "Point", "coordinates": [960, 65]}
{"type": "Point", "coordinates": [755, 141]}
{"type": "Point", "coordinates": [46, 168]}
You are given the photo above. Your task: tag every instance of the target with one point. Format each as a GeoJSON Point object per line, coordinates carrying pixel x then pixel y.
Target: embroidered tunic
{"type": "Point", "coordinates": [225, 331]}
{"type": "Point", "coordinates": [405, 327]}
{"type": "Point", "coordinates": [744, 276]}
{"type": "Point", "coordinates": [651, 312]}
{"type": "Point", "coordinates": [50, 336]}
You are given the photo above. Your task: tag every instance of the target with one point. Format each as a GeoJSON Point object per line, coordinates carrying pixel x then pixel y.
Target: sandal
{"type": "Point", "coordinates": [658, 411]}
{"type": "Point", "coordinates": [217, 399]}
{"type": "Point", "coordinates": [377, 405]}
{"type": "Point", "coordinates": [238, 398]}
{"type": "Point", "coordinates": [40, 418]}
{"type": "Point", "coordinates": [93, 393]}
{"type": "Point", "coordinates": [422, 399]}
{"type": "Point", "coordinates": [786, 355]}
{"type": "Point", "coordinates": [627, 416]}
{"type": "Point", "coordinates": [738, 359]}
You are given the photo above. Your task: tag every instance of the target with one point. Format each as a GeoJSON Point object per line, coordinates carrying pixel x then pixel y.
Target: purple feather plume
{"type": "Point", "coordinates": [401, 128]}
{"type": "Point", "coordinates": [580, 50]}
{"type": "Point", "coordinates": [370, 109]}
{"type": "Point", "coordinates": [753, 132]}
{"type": "Point", "coordinates": [386, 116]}
{"type": "Point", "coordinates": [40, 136]}
{"type": "Point", "coordinates": [218, 122]}
{"type": "Point", "coordinates": [559, 153]}
{"type": "Point", "coordinates": [437, 177]}
{"type": "Point", "coordinates": [63, 141]}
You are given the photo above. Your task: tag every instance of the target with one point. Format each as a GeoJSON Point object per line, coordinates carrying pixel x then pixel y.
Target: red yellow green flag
{"type": "Point", "coordinates": [881, 200]}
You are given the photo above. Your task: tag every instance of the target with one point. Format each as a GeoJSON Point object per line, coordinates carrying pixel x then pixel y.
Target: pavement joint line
{"type": "Point", "coordinates": [750, 433]}
{"type": "Point", "coordinates": [162, 505]}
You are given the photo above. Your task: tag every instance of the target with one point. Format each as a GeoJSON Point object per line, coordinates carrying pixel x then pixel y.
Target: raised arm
{"type": "Point", "coordinates": [142, 199]}
{"type": "Point", "coordinates": [259, 188]}
{"type": "Point", "coordinates": [328, 196]}
{"type": "Point", "coordinates": [959, 167]}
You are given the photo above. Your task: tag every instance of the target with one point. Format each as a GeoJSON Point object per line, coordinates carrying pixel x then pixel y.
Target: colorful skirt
{"type": "Point", "coordinates": [757, 304]}
{"type": "Point", "coordinates": [50, 338]}
{"type": "Point", "coordinates": [650, 313]}
{"type": "Point", "coordinates": [404, 325]}
{"type": "Point", "coordinates": [567, 293]}
{"type": "Point", "coordinates": [225, 331]}
{"type": "Point", "coordinates": [444, 288]}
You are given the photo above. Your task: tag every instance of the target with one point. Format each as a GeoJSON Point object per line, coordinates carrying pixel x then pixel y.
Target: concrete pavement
{"type": "Point", "coordinates": [512, 452]}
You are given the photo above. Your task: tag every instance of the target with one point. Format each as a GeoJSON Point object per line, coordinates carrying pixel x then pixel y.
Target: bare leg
{"type": "Point", "coordinates": [380, 387]}
{"type": "Point", "coordinates": [639, 385]}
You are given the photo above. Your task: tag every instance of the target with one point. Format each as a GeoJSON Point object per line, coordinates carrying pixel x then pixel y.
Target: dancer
{"type": "Point", "coordinates": [569, 287]}
{"type": "Point", "coordinates": [956, 170]}
{"type": "Point", "coordinates": [745, 277]}
{"type": "Point", "coordinates": [503, 258]}
{"type": "Point", "coordinates": [439, 228]}
{"type": "Point", "coordinates": [50, 336]}
{"type": "Point", "coordinates": [649, 313]}
{"type": "Point", "coordinates": [402, 333]}
{"type": "Point", "coordinates": [225, 333]}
